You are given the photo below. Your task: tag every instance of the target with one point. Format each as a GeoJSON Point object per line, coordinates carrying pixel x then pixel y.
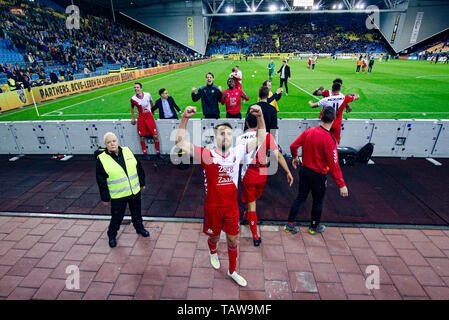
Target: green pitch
{"type": "Point", "coordinates": [395, 89]}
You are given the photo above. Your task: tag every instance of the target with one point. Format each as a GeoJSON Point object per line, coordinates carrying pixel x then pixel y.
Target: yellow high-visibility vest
{"type": "Point", "coordinates": [119, 183]}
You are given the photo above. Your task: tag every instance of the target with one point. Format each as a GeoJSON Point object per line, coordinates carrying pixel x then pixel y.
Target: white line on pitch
{"type": "Point", "coordinates": [432, 160]}
{"type": "Point", "coordinates": [114, 92]}
{"type": "Point", "coordinates": [304, 90]}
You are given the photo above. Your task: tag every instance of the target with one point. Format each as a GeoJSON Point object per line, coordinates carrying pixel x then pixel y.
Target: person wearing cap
{"type": "Point", "coordinates": [120, 179]}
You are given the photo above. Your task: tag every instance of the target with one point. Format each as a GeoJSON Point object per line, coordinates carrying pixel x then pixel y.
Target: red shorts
{"type": "Point", "coordinates": [251, 191]}
{"type": "Point", "coordinates": [217, 219]}
{"type": "Point", "coordinates": [146, 126]}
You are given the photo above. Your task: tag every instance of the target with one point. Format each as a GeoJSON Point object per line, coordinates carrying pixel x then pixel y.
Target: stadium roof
{"type": "Point", "coordinates": [249, 5]}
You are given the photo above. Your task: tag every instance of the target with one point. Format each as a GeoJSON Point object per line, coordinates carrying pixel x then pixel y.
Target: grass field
{"type": "Point", "coordinates": [395, 89]}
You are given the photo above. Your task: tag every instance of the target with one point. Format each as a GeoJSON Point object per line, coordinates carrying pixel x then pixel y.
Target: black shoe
{"type": "Point", "coordinates": [160, 156]}
{"type": "Point", "coordinates": [257, 242]}
{"type": "Point", "coordinates": [144, 233]}
{"type": "Point", "coordinates": [112, 242]}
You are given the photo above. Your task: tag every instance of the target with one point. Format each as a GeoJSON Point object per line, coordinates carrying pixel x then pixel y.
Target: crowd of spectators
{"type": "Point", "coordinates": [323, 34]}
{"type": "Point", "coordinates": [41, 35]}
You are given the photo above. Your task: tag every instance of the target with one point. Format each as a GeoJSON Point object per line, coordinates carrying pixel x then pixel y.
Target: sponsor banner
{"type": "Point", "coordinates": [15, 99]}
{"type": "Point", "coordinates": [395, 29]}
{"type": "Point", "coordinates": [190, 35]}
{"type": "Point", "coordinates": [17, 11]}
{"type": "Point", "coordinates": [416, 27]}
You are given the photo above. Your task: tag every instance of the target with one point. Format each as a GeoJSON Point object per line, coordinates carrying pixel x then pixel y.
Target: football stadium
{"type": "Point", "coordinates": [223, 150]}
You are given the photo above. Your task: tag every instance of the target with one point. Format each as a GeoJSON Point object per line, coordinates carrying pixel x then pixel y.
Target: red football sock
{"type": "Point", "coordinates": [144, 148]}
{"type": "Point", "coordinates": [156, 145]}
{"type": "Point", "coordinates": [212, 246]}
{"type": "Point", "coordinates": [252, 218]}
{"type": "Point", "coordinates": [232, 253]}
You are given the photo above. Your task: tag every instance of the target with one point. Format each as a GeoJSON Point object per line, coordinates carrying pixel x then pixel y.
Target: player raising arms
{"type": "Point", "coordinates": [233, 100]}
{"type": "Point", "coordinates": [254, 172]}
{"type": "Point", "coordinates": [338, 101]}
{"type": "Point", "coordinates": [321, 92]}
{"type": "Point", "coordinates": [221, 171]}
{"type": "Point", "coordinates": [146, 126]}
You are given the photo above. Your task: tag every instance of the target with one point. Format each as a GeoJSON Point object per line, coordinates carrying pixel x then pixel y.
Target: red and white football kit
{"type": "Point", "coordinates": [221, 175]}
{"type": "Point", "coordinates": [339, 103]}
{"type": "Point", "coordinates": [254, 169]}
{"type": "Point", "coordinates": [233, 101]}
{"type": "Point", "coordinates": [309, 63]}
{"type": "Point", "coordinates": [237, 76]}
{"type": "Point", "coordinates": [145, 122]}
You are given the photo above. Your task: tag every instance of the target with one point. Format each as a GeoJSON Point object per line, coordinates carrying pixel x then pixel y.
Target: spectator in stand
{"type": "Point", "coordinates": [53, 77]}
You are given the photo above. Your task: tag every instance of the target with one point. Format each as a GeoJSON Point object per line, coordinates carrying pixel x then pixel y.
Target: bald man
{"type": "Point", "coordinates": [121, 179]}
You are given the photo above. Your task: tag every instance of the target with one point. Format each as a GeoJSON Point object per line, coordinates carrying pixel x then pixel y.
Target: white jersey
{"type": "Point", "coordinates": [243, 140]}
{"type": "Point", "coordinates": [334, 101]}
{"type": "Point", "coordinates": [143, 105]}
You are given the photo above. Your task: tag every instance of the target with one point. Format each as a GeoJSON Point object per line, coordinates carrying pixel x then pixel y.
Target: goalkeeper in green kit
{"type": "Point", "coordinates": [271, 70]}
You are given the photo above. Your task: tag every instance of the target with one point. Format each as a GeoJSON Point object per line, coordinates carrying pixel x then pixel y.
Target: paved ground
{"type": "Point", "coordinates": [173, 263]}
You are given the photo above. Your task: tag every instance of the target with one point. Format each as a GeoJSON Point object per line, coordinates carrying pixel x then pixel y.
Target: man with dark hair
{"type": "Point", "coordinates": [371, 64]}
{"type": "Point", "coordinates": [319, 155]}
{"type": "Point", "coordinates": [233, 100]}
{"type": "Point", "coordinates": [254, 172]}
{"type": "Point", "coordinates": [270, 114]}
{"type": "Point", "coordinates": [146, 126]}
{"type": "Point", "coordinates": [221, 170]}
{"type": "Point", "coordinates": [210, 96]}
{"type": "Point", "coordinates": [166, 106]}
{"type": "Point", "coordinates": [273, 98]}
{"type": "Point", "coordinates": [338, 101]}
{"type": "Point", "coordinates": [285, 74]}
{"type": "Point", "coordinates": [326, 93]}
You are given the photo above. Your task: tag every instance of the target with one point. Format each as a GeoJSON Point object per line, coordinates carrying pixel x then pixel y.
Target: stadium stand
{"type": "Point", "coordinates": [34, 40]}
{"type": "Point", "coordinates": [342, 34]}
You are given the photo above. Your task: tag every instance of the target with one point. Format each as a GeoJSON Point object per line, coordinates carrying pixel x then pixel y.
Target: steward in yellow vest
{"type": "Point", "coordinates": [120, 178]}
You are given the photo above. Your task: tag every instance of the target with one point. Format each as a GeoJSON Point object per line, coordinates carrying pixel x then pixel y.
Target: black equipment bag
{"type": "Point", "coordinates": [347, 156]}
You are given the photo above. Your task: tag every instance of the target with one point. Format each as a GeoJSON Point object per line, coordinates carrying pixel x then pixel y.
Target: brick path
{"type": "Point", "coordinates": [173, 263]}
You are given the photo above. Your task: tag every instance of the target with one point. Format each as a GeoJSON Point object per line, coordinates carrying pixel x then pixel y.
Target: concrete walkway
{"type": "Point", "coordinates": [174, 264]}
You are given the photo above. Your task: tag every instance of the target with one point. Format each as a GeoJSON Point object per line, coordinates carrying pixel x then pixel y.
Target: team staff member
{"type": "Point", "coordinates": [221, 172]}
{"type": "Point", "coordinates": [273, 98]}
{"type": "Point", "coordinates": [270, 114]}
{"type": "Point", "coordinates": [319, 155]}
{"type": "Point", "coordinates": [254, 173]}
{"type": "Point", "coordinates": [210, 96]}
{"type": "Point", "coordinates": [146, 126]}
{"type": "Point", "coordinates": [285, 74]}
{"type": "Point", "coordinates": [233, 100]}
{"type": "Point", "coordinates": [270, 68]}
{"type": "Point", "coordinates": [120, 178]}
{"type": "Point", "coordinates": [166, 106]}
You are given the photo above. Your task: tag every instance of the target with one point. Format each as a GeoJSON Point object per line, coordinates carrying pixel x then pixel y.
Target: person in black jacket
{"type": "Point", "coordinates": [285, 74]}
{"type": "Point", "coordinates": [53, 77]}
{"type": "Point", "coordinates": [166, 106]}
{"type": "Point", "coordinates": [270, 114]}
{"type": "Point", "coordinates": [210, 96]}
{"type": "Point", "coordinates": [118, 206]}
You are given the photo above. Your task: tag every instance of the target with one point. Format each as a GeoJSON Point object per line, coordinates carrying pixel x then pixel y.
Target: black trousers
{"type": "Point", "coordinates": [309, 180]}
{"type": "Point", "coordinates": [284, 81]}
{"type": "Point", "coordinates": [211, 116]}
{"type": "Point", "coordinates": [118, 208]}
{"type": "Point", "coordinates": [358, 69]}
{"type": "Point", "coordinates": [233, 115]}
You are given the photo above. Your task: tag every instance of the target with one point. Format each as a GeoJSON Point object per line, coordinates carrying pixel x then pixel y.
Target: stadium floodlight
{"type": "Point", "coordinates": [362, 5]}
{"type": "Point", "coordinates": [316, 7]}
{"type": "Point", "coordinates": [340, 6]}
{"type": "Point", "coordinates": [272, 7]}
{"type": "Point", "coordinates": [229, 9]}
{"type": "Point", "coordinates": [334, 6]}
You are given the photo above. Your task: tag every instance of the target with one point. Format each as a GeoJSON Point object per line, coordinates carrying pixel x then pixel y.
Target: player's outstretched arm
{"type": "Point", "coordinates": [313, 105]}
{"type": "Point", "coordinates": [133, 120]}
{"type": "Point", "coordinates": [181, 140]}
{"type": "Point", "coordinates": [283, 163]}
{"type": "Point", "coordinates": [261, 129]}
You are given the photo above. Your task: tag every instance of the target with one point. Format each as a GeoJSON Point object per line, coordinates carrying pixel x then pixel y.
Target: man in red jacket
{"type": "Point", "coordinates": [319, 155]}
